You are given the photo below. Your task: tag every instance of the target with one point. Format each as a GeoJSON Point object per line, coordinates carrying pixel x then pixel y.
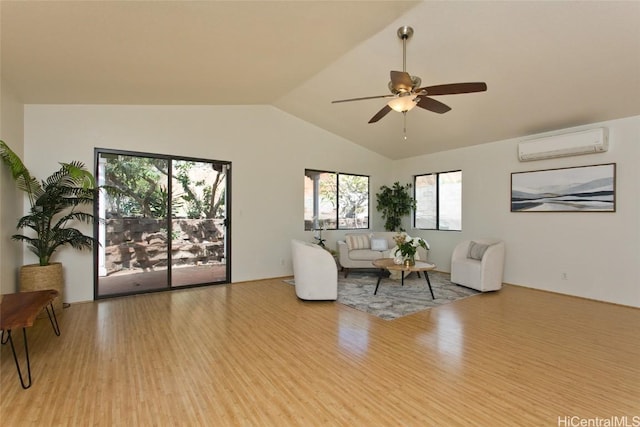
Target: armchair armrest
{"type": "Point", "coordinates": [460, 251]}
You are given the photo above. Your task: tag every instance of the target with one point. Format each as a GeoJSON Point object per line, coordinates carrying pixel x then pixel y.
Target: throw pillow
{"type": "Point", "coordinates": [358, 241]}
{"type": "Point", "coordinates": [379, 244]}
{"type": "Point", "coordinates": [476, 250]}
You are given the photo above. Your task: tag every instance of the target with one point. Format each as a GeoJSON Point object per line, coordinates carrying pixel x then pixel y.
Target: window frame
{"type": "Point", "coordinates": [337, 206]}
{"type": "Point", "coordinates": [437, 200]}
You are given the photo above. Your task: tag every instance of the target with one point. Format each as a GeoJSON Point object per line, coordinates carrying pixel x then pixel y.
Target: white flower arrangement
{"type": "Point", "coordinates": [408, 246]}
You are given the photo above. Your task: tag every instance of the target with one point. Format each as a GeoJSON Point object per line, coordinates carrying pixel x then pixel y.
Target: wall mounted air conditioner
{"type": "Point", "coordinates": [567, 144]}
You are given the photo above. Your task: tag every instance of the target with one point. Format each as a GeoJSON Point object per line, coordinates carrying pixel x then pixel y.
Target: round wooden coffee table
{"type": "Point", "coordinates": [389, 264]}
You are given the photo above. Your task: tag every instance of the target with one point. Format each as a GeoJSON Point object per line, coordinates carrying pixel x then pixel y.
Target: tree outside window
{"type": "Point", "coordinates": [335, 200]}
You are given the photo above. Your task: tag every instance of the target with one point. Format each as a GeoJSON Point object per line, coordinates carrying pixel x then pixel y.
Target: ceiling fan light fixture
{"type": "Point", "coordinates": [405, 103]}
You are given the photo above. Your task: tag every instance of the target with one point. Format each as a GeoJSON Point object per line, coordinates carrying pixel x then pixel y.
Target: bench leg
{"type": "Point", "coordinates": [9, 339]}
{"type": "Point", "coordinates": [15, 357]}
{"type": "Point", "coordinates": [53, 319]}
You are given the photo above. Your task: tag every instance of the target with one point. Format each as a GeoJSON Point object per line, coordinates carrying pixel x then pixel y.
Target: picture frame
{"type": "Point", "coordinates": [574, 189]}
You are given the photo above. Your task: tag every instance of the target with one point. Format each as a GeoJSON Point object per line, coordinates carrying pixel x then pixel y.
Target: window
{"type": "Point", "coordinates": [439, 201]}
{"type": "Point", "coordinates": [335, 200]}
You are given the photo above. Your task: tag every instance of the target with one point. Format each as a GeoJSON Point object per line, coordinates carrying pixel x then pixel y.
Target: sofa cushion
{"type": "Point", "coordinates": [364, 255]}
{"type": "Point", "coordinates": [357, 241]}
{"type": "Point", "coordinates": [379, 244]}
{"type": "Point", "coordinates": [476, 250]}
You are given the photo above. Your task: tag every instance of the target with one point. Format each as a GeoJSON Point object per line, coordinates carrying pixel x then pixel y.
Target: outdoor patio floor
{"type": "Point", "coordinates": [138, 281]}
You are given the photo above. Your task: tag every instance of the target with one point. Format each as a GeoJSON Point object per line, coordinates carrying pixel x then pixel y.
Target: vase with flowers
{"type": "Point", "coordinates": [407, 247]}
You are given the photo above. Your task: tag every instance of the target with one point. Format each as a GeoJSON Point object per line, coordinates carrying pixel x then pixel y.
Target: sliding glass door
{"type": "Point", "coordinates": [199, 198]}
{"type": "Point", "coordinates": [163, 222]}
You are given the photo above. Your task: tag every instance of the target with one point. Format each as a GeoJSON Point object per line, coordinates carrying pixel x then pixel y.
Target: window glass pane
{"type": "Point", "coordinates": [320, 200]}
{"type": "Point", "coordinates": [353, 193]}
{"type": "Point", "coordinates": [450, 200]}
{"type": "Point", "coordinates": [335, 201]}
{"type": "Point", "coordinates": [426, 206]}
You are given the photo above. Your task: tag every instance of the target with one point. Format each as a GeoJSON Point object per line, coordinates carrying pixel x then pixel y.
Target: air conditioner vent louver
{"type": "Point", "coordinates": [568, 144]}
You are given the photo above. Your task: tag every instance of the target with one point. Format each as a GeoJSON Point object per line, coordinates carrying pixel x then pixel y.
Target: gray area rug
{"type": "Point", "coordinates": [392, 300]}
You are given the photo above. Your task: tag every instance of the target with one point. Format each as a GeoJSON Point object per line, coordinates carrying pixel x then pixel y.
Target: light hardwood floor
{"type": "Point", "coordinates": [252, 354]}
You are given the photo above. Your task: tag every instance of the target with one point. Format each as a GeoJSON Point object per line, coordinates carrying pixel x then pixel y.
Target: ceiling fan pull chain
{"type": "Point", "coordinates": [404, 127]}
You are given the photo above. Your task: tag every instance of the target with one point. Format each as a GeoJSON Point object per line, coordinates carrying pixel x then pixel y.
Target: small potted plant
{"type": "Point", "coordinates": [54, 204]}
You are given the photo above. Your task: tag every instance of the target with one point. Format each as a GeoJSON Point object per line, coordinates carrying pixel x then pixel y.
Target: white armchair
{"type": "Point", "coordinates": [315, 272]}
{"type": "Point", "coordinates": [480, 266]}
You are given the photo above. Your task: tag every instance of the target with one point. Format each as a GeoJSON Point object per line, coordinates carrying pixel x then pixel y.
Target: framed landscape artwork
{"type": "Point", "coordinates": [575, 189]}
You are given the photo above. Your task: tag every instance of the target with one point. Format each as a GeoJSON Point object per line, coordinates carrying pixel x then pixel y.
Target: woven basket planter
{"type": "Point", "coordinates": [34, 277]}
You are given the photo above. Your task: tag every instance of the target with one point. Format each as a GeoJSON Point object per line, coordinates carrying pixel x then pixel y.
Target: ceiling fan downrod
{"type": "Point", "coordinates": [405, 32]}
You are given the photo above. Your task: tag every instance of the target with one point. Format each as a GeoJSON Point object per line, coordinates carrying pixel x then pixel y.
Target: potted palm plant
{"type": "Point", "coordinates": [53, 211]}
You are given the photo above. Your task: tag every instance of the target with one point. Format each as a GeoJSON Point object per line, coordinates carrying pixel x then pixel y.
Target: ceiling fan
{"type": "Point", "coordinates": [406, 92]}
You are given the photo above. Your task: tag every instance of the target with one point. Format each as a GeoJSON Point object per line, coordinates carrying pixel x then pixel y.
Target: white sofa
{"type": "Point", "coordinates": [482, 267]}
{"type": "Point", "coordinates": [358, 250]}
{"type": "Point", "coordinates": [315, 272]}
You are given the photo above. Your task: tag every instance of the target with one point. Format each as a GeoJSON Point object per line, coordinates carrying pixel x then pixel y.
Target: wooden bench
{"type": "Point", "coordinates": [19, 310]}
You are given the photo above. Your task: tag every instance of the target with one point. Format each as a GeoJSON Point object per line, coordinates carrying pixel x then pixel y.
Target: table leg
{"type": "Point", "coordinates": [402, 280]}
{"type": "Point", "coordinates": [381, 272]}
{"type": "Point", "coordinates": [426, 276]}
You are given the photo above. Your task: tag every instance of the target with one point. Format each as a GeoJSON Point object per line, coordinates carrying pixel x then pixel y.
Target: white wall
{"type": "Point", "coordinates": [11, 132]}
{"type": "Point", "coordinates": [599, 252]}
{"type": "Point", "coordinates": [269, 151]}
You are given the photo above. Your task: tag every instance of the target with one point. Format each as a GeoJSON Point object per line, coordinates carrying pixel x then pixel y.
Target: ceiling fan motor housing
{"type": "Point", "coordinates": [415, 83]}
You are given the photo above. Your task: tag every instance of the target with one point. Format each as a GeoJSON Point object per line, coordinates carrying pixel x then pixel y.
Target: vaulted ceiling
{"type": "Point", "coordinates": [548, 65]}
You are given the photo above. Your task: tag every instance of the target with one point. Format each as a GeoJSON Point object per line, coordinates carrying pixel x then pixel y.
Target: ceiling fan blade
{"type": "Point", "coordinates": [453, 88]}
{"type": "Point", "coordinates": [380, 114]}
{"type": "Point", "coordinates": [401, 81]}
{"type": "Point", "coordinates": [433, 105]}
{"type": "Point", "coordinates": [362, 99]}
